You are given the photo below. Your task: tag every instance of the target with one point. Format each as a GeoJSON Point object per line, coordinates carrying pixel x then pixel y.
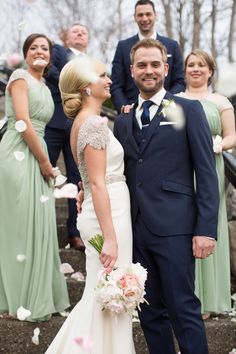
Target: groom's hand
{"type": "Point", "coordinates": [80, 198]}
{"type": "Point", "coordinates": [203, 246]}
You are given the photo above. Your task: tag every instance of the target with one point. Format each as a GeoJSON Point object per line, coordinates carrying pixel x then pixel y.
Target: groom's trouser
{"type": "Point", "coordinates": [169, 292]}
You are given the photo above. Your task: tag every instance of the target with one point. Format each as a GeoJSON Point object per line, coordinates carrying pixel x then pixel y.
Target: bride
{"type": "Point", "coordinates": [84, 86]}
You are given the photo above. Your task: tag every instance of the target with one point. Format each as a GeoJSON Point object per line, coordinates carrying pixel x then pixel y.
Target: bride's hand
{"type": "Point", "coordinates": [109, 254]}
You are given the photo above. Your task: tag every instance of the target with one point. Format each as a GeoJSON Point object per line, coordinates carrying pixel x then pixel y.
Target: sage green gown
{"type": "Point", "coordinates": [213, 273]}
{"type": "Point", "coordinates": [212, 283]}
{"type": "Point", "coordinates": [28, 221]}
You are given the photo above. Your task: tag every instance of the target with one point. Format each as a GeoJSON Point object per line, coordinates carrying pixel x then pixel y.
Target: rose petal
{"type": "Point", "coordinates": [85, 343]}
{"type": "Point", "coordinates": [35, 338]}
{"type": "Point", "coordinates": [21, 126]}
{"type": "Point", "coordinates": [22, 313]}
{"type": "Point", "coordinates": [40, 62]}
{"type": "Point", "coordinates": [21, 25]}
{"type": "Point", "coordinates": [66, 268]}
{"type": "Point", "coordinates": [59, 180]}
{"type": "Point", "coordinates": [21, 257]}
{"type": "Point", "coordinates": [19, 155]}
{"type": "Point", "coordinates": [64, 313]}
{"type": "Point", "coordinates": [78, 276]}
{"type": "Point", "coordinates": [69, 190]}
{"type": "Point", "coordinates": [56, 171]}
{"type": "Point", "coordinates": [44, 199]}
{"type": "Point", "coordinates": [13, 59]}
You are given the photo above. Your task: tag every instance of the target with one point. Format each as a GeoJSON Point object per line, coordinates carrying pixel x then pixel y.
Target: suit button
{"type": "Point", "coordinates": [140, 160]}
{"type": "Point", "coordinates": [139, 184]}
{"type": "Point", "coordinates": [143, 140]}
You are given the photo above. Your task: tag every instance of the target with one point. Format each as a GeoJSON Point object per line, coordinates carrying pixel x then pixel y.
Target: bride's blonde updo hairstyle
{"type": "Point", "coordinates": [75, 76]}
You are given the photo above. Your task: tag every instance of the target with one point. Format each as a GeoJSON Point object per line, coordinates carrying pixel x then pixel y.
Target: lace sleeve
{"type": "Point", "coordinates": [222, 102]}
{"type": "Point", "coordinates": [18, 74]}
{"type": "Point", "coordinates": [94, 132]}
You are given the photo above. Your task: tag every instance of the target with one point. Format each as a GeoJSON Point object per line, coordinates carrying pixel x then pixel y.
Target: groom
{"type": "Point", "coordinates": [172, 223]}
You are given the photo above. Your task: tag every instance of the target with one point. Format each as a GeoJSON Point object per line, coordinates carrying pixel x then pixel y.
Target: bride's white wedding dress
{"type": "Point", "coordinates": [110, 334]}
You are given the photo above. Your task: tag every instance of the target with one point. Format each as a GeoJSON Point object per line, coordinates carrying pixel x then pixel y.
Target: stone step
{"type": "Point", "coordinates": [15, 336]}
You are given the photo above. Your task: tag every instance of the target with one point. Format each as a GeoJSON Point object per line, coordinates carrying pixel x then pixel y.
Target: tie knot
{"type": "Point", "coordinates": [147, 104]}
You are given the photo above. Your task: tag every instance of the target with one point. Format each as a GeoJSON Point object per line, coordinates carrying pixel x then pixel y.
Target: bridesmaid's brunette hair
{"type": "Point", "coordinates": [30, 39]}
{"type": "Point", "coordinates": [206, 58]}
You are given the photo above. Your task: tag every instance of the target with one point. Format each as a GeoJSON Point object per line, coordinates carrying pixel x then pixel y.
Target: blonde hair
{"type": "Point", "coordinates": [206, 58]}
{"type": "Point", "coordinates": [75, 76]}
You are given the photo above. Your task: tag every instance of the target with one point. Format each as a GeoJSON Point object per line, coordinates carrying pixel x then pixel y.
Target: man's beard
{"type": "Point", "coordinates": [159, 85]}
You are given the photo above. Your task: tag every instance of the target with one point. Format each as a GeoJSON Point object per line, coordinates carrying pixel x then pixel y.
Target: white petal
{"type": "Point", "coordinates": [20, 126]}
{"type": "Point", "coordinates": [19, 155]}
{"type": "Point", "coordinates": [56, 171]}
{"type": "Point", "coordinates": [35, 338]}
{"type": "Point", "coordinates": [59, 180]}
{"type": "Point", "coordinates": [69, 190]}
{"type": "Point", "coordinates": [78, 276]}
{"type": "Point", "coordinates": [44, 199]}
{"type": "Point", "coordinates": [22, 313]}
{"type": "Point", "coordinates": [64, 313]}
{"type": "Point", "coordinates": [66, 268]}
{"type": "Point", "coordinates": [21, 257]}
{"type": "Point", "coordinates": [40, 62]}
{"type": "Point", "coordinates": [21, 25]}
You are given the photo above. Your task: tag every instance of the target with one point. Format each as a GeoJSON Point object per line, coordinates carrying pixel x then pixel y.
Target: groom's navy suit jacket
{"type": "Point", "coordinates": [123, 88]}
{"type": "Point", "coordinates": [160, 173]}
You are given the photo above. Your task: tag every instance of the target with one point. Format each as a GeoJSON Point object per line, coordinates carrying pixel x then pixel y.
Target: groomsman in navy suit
{"type": "Point", "coordinates": [57, 134]}
{"type": "Point", "coordinates": [123, 89]}
{"type": "Point", "coordinates": [170, 172]}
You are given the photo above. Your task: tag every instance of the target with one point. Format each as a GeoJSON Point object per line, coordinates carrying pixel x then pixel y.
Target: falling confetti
{"type": "Point", "coordinates": [21, 258]}
{"type": "Point", "coordinates": [21, 126]}
{"type": "Point", "coordinates": [66, 268]}
{"type": "Point", "coordinates": [78, 276]}
{"type": "Point", "coordinates": [19, 155]}
{"type": "Point", "coordinates": [69, 190]}
{"type": "Point", "coordinates": [44, 199]}
{"type": "Point", "coordinates": [22, 313]}
{"type": "Point", "coordinates": [35, 338]}
{"type": "Point", "coordinates": [59, 180]}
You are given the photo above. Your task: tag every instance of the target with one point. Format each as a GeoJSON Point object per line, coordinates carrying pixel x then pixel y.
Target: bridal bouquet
{"type": "Point", "coordinates": [121, 290]}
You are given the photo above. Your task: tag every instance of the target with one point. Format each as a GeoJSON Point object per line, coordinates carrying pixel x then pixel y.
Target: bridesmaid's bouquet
{"type": "Point", "coordinates": [121, 290]}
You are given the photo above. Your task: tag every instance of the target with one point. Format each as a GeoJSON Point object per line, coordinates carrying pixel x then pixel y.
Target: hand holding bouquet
{"type": "Point", "coordinates": [121, 290]}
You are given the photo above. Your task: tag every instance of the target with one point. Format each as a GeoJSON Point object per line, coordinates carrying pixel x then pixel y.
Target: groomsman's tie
{"type": "Point", "coordinates": [145, 116]}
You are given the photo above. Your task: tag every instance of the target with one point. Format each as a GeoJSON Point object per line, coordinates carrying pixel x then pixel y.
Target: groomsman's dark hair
{"type": "Point", "coordinates": [145, 2]}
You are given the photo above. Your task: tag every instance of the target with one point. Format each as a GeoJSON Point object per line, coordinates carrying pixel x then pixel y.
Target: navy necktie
{"type": "Point", "coordinates": [145, 116]}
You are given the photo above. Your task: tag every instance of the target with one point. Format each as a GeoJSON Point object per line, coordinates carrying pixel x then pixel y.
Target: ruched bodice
{"type": "Point", "coordinates": [40, 102]}
{"type": "Point", "coordinates": [28, 220]}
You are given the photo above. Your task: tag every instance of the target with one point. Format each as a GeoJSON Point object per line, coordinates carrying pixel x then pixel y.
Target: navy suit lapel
{"type": "Point", "coordinates": [155, 123]}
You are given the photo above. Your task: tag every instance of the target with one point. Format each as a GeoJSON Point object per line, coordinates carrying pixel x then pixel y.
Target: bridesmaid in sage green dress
{"type": "Point", "coordinates": [213, 273]}
{"type": "Point", "coordinates": [29, 260]}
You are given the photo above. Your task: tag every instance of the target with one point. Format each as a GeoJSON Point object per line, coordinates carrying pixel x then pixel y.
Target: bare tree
{"type": "Point", "coordinates": [196, 23]}
{"type": "Point", "coordinates": [213, 27]}
{"type": "Point", "coordinates": [167, 5]}
{"type": "Point", "coordinates": [231, 31]}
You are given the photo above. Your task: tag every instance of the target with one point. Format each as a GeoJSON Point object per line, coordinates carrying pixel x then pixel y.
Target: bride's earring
{"type": "Point", "coordinates": [87, 91]}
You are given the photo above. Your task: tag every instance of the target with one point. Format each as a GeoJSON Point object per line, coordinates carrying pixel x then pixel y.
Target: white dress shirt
{"type": "Point", "coordinates": [77, 52]}
{"type": "Point", "coordinates": [156, 99]}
